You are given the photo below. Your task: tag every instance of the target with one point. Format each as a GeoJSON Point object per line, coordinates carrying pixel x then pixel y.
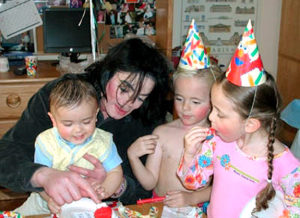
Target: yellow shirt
{"type": "Point", "coordinates": [63, 153]}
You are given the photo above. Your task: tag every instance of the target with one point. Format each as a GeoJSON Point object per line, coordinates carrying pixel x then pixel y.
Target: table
{"type": "Point", "coordinates": [143, 208]}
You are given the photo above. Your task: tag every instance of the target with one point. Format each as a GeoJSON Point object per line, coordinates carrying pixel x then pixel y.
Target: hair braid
{"type": "Point", "coordinates": [265, 195]}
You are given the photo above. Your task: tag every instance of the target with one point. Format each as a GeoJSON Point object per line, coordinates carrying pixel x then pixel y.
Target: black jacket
{"type": "Point", "coordinates": [17, 145]}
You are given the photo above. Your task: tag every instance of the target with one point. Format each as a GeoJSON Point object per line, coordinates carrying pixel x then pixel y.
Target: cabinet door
{"type": "Point", "coordinates": [164, 29]}
{"type": "Point", "coordinates": [288, 75]}
{"type": "Point", "coordinates": [14, 99]}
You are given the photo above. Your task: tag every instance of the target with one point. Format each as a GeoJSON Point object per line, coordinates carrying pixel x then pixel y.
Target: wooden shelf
{"type": "Point", "coordinates": [163, 37]}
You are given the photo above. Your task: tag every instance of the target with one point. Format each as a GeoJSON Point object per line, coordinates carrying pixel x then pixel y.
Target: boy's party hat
{"type": "Point", "coordinates": [246, 67]}
{"type": "Point", "coordinates": [194, 55]}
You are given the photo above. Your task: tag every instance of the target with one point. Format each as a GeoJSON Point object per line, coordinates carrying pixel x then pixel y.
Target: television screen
{"type": "Point", "coordinates": [66, 30]}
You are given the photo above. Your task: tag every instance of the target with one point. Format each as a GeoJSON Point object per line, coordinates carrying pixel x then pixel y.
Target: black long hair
{"type": "Point", "coordinates": [141, 60]}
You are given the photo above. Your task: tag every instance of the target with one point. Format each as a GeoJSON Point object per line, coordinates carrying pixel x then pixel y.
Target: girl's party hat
{"type": "Point", "coordinates": [246, 67]}
{"type": "Point", "coordinates": [194, 55]}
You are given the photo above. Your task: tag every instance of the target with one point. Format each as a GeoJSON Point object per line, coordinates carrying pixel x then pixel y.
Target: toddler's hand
{"type": "Point", "coordinates": [177, 199]}
{"type": "Point", "coordinates": [143, 145]}
{"type": "Point", "coordinates": [53, 207]}
{"type": "Point", "coordinates": [193, 141]}
{"type": "Point", "coordinates": [100, 191]}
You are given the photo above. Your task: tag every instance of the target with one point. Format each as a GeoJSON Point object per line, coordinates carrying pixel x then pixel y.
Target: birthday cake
{"type": "Point", "coordinates": [86, 208]}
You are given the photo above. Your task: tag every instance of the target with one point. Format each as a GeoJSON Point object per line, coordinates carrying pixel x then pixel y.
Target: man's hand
{"type": "Point", "coordinates": [63, 186]}
{"type": "Point", "coordinates": [98, 174]}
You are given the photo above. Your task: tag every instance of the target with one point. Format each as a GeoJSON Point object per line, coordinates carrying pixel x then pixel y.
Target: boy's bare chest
{"type": "Point", "coordinates": [172, 149]}
{"type": "Point", "coordinates": [171, 155]}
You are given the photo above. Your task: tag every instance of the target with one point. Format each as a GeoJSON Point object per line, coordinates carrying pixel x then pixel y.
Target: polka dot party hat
{"type": "Point", "coordinates": [246, 67]}
{"type": "Point", "coordinates": [194, 55]}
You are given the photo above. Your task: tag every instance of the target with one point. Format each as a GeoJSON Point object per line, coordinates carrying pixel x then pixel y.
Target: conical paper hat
{"type": "Point", "coordinates": [194, 55]}
{"type": "Point", "coordinates": [246, 67]}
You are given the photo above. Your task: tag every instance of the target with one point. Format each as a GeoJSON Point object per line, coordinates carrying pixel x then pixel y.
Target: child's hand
{"type": "Point", "coordinates": [177, 199]}
{"type": "Point", "coordinates": [193, 141]}
{"type": "Point", "coordinates": [100, 191]}
{"type": "Point", "coordinates": [143, 145]}
{"type": "Point", "coordinates": [53, 207]}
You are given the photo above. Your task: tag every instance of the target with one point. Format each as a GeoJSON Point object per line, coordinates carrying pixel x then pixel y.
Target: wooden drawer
{"type": "Point", "coordinates": [14, 98]}
{"type": "Point", "coordinates": [15, 92]}
{"type": "Point", "coordinates": [5, 125]}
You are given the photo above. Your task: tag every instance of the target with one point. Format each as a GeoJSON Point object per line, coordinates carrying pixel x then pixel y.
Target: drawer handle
{"type": "Point", "coordinates": [13, 100]}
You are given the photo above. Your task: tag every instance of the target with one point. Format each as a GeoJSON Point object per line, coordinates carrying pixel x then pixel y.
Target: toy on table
{"type": "Point", "coordinates": [182, 212]}
{"type": "Point", "coordinates": [10, 214]}
{"type": "Point", "coordinates": [151, 200]}
{"type": "Point", "coordinates": [125, 212]}
{"type": "Point", "coordinates": [103, 212]}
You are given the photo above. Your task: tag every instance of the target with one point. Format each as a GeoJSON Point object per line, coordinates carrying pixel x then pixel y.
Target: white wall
{"type": "Point", "coordinates": [266, 31]}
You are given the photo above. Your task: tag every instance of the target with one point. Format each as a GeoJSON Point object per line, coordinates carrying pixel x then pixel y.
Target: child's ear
{"type": "Point", "coordinates": [52, 119]}
{"type": "Point", "coordinates": [252, 125]}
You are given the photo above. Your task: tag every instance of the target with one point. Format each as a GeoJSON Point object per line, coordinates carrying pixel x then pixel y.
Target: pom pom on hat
{"type": "Point", "coordinates": [194, 55]}
{"type": "Point", "coordinates": [246, 67]}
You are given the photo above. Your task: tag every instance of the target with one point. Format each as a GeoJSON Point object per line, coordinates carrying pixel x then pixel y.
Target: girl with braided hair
{"type": "Point", "coordinates": [248, 163]}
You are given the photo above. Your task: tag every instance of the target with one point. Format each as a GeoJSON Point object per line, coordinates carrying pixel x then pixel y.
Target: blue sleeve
{"type": "Point", "coordinates": [39, 156]}
{"type": "Point", "coordinates": [113, 159]}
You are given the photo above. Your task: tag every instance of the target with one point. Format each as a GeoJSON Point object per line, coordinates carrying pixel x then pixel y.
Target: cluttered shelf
{"type": "Point", "coordinates": [107, 31]}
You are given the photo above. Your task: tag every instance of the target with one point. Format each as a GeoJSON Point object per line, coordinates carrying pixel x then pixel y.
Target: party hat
{"type": "Point", "coordinates": [194, 55]}
{"type": "Point", "coordinates": [246, 67]}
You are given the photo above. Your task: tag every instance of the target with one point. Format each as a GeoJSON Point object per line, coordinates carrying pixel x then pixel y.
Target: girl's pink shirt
{"type": "Point", "coordinates": [238, 178]}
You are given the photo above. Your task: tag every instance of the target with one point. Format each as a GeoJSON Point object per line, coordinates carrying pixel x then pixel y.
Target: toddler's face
{"type": "Point", "coordinates": [224, 119]}
{"type": "Point", "coordinates": [76, 123]}
{"type": "Point", "coordinates": [192, 101]}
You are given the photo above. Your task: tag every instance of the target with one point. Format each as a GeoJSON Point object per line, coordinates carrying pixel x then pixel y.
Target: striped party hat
{"type": "Point", "coordinates": [246, 67]}
{"type": "Point", "coordinates": [194, 55]}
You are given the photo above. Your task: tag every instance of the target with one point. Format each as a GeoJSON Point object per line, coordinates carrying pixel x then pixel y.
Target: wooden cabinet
{"type": "Point", "coordinates": [288, 75]}
{"type": "Point", "coordinates": [15, 92]}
